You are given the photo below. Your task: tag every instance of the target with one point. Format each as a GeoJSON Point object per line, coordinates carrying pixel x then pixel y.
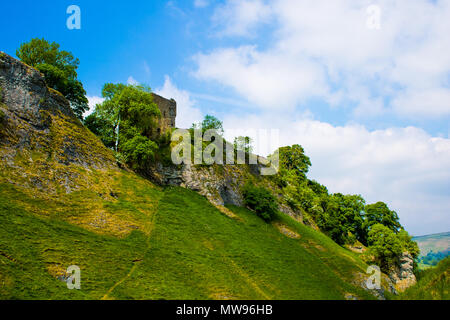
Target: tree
{"type": "Point", "coordinates": [294, 158]}
{"type": "Point", "coordinates": [380, 213]}
{"type": "Point", "coordinates": [342, 218]}
{"type": "Point", "coordinates": [244, 144]}
{"type": "Point", "coordinates": [384, 245]}
{"type": "Point", "coordinates": [318, 188]}
{"type": "Point", "coordinates": [59, 68]}
{"type": "Point", "coordinates": [209, 123]}
{"type": "Point", "coordinates": [126, 120]}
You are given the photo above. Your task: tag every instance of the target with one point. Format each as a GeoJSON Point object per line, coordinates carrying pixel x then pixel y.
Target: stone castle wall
{"type": "Point", "coordinates": [168, 110]}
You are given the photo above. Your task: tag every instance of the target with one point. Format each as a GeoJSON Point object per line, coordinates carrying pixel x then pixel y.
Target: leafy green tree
{"type": "Point", "coordinates": [293, 158]}
{"type": "Point", "coordinates": [342, 218]}
{"type": "Point", "coordinates": [261, 201]}
{"type": "Point", "coordinates": [244, 144]}
{"type": "Point", "coordinates": [59, 68]}
{"type": "Point", "coordinates": [380, 213]}
{"type": "Point", "coordinates": [126, 120]}
{"type": "Point", "coordinates": [318, 188]}
{"type": "Point", "coordinates": [210, 123]}
{"type": "Point", "coordinates": [384, 245]}
{"type": "Point", "coordinates": [329, 223]}
{"type": "Point", "coordinates": [102, 128]}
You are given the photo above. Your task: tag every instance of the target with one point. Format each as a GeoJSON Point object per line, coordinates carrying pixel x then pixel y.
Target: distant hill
{"type": "Point", "coordinates": [436, 242]}
{"type": "Point", "coordinates": [433, 248]}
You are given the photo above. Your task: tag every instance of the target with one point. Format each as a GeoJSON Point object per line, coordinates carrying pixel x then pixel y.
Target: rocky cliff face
{"type": "Point", "coordinates": [38, 130]}
{"type": "Point", "coordinates": [39, 118]}
{"type": "Point", "coordinates": [402, 274]}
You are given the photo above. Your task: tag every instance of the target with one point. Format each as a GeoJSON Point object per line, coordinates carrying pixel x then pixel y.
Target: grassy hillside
{"type": "Point", "coordinates": [433, 284]}
{"type": "Point", "coordinates": [140, 241]}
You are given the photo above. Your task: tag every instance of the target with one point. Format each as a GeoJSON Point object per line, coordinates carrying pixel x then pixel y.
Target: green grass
{"type": "Point", "coordinates": [433, 284]}
{"type": "Point", "coordinates": [180, 247]}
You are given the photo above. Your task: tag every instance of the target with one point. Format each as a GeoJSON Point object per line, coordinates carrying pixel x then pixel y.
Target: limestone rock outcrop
{"type": "Point", "coordinates": [221, 185]}
{"type": "Point", "coordinates": [402, 274]}
{"type": "Point", "coordinates": [42, 144]}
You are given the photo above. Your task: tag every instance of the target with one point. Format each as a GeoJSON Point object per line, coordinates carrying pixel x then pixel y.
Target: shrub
{"type": "Point", "coordinates": [139, 151]}
{"type": "Point", "coordinates": [261, 201]}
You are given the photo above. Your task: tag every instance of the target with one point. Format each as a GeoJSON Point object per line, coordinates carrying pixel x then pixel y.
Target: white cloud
{"type": "Point", "coordinates": [240, 17]}
{"type": "Point", "coordinates": [267, 79]}
{"type": "Point", "coordinates": [201, 3]}
{"type": "Point", "coordinates": [435, 102]}
{"type": "Point", "coordinates": [93, 101]}
{"type": "Point", "coordinates": [132, 81]}
{"type": "Point", "coordinates": [187, 113]}
{"type": "Point", "coordinates": [325, 48]}
{"type": "Point", "coordinates": [404, 167]}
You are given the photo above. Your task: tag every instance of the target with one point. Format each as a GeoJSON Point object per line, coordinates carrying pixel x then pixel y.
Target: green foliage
{"type": "Point", "coordinates": [209, 123]}
{"type": "Point", "coordinates": [342, 218]}
{"type": "Point", "coordinates": [101, 127]}
{"type": "Point", "coordinates": [380, 213]}
{"type": "Point", "coordinates": [120, 158]}
{"type": "Point", "coordinates": [293, 158]}
{"type": "Point", "coordinates": [385, 246]}
{"type": "Point", "coordinates": [261, 201]}
{"type": "Point", "coordinates": [346, 219]}
{"type": "Point", "coordinates": [317, 188]}
{"type": "Point", "coordinates": [244, 144]}
{"type": "Point", "coordinates": [59, 68]}
{"type": "Point", "coordinates": [139, 151]}
{"type": "Point", "coordinates": [128, 115]}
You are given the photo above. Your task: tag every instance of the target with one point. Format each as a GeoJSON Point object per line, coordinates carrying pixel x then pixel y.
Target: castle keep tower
{"type": "Point", "coordinates": [168, 110]}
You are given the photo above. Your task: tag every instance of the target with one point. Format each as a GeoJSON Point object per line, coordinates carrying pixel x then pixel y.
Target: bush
{"type": "Point", "coordinates": [261, 201]}
{"type": "Point", "coordinates": [139, 151]}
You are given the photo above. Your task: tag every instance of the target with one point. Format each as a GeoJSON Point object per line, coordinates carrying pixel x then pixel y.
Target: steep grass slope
{"type": "Point", "coordinates": [177, 246]}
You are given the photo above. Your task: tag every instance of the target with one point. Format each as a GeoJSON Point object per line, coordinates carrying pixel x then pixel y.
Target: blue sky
{"type": "Point", "coordinates": [364, 86]}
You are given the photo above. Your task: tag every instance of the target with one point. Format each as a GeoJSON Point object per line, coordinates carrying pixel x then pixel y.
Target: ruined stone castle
{"type": "Point", "coordinates": [168, 110]}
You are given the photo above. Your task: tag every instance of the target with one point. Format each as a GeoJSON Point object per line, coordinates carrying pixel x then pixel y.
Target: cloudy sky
{"type": "Point", "coordinates": [363, 86]}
